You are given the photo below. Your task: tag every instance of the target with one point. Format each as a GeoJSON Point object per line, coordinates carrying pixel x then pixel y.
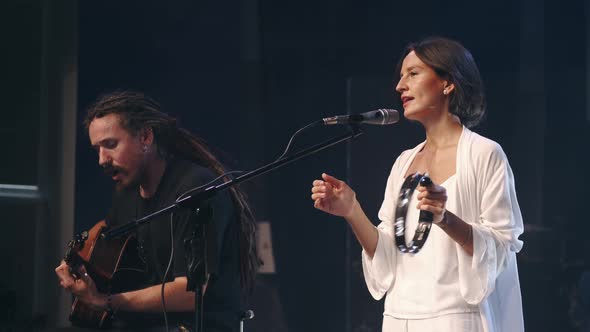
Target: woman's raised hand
{"type": "Point", "coordinates": [333, 196]}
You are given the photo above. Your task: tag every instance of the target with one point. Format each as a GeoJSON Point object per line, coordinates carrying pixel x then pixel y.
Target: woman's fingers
{"type": "Point", "coordinates": [318, 204]}
{"type": "Point", "coordinates": [321, 188]}
{"type": "Point", "coordinates": [441, 196]}
{"type": "Point", "coordinates": [432, 194]}
{"type": "Point", "coordinates": [318, 189]}
{"type": "Point", "coordinates": [332, 195]}
{"type": "Point", "coordinates": [437, 211]}
{"type": "Point", "coordinates": [317, 196]}
{"type": "Point", "coordinates": [318, 183]}
{"type": "Point", "coordinates": [431, 202]}
{"type": "Point", "coordinates": [329, 178]}
{"type": "Point", "coordinates": [432, 198]}
{"type": "Point", "coordinates": [332, 181]}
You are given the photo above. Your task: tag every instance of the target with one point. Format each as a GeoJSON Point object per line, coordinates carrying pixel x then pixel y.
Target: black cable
{"type": "Point", "coordinates": [168, 270]}
{"type": "Point", "coordinates": [315, 123]}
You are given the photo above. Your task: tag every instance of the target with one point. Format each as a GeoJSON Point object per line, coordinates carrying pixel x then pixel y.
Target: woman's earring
{"type": "Point", "coordinates": [144, 148]}
{"type": "Point", "coordinates": [446, 92]}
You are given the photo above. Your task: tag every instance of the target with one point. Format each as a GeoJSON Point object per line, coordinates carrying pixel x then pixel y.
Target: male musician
{"type": "Point", "coordinates": [153, 162]}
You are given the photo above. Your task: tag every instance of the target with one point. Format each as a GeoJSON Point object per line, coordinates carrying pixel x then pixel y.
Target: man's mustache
{"type": "Point", "coordinates": [111, 170]}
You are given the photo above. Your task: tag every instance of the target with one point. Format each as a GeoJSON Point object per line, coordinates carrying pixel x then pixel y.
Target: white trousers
{"type": "Point", "coordinates": [462, 322]}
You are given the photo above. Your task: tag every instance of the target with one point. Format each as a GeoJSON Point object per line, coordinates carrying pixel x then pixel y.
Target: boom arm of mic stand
{"type": "Point", "coordinates": [209, 192]}
{"type": "Point", "coordinates": [127, 228]}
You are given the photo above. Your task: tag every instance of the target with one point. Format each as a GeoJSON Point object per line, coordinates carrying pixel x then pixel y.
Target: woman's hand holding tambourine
{"type": "Point", "coordinates": [432, 198]}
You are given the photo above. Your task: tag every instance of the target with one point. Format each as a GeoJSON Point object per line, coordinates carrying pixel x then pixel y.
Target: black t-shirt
{"type": "Point", "coordinates": [222, 300]}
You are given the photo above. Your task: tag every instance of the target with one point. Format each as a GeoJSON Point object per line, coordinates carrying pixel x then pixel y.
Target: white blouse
{"type": "Point", "coordinates": [427, 283]}
{"type": "Point", "coordinates": [442, 278]}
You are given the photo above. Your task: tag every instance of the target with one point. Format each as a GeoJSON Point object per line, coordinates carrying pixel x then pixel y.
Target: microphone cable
{"type": "Point", "coordinates": [313, 124]}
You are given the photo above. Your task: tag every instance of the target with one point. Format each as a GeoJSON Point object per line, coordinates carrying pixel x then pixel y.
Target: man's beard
{"type": "Point", "coordinates": [120, 185]}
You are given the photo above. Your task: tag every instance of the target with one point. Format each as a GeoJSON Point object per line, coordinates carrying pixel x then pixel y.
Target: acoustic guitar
{"type": "Point", "coordinates": [114, 265]}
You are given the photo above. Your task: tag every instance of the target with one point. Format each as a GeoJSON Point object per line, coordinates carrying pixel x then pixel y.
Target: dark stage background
{"type": "Point", "coordinates": [247, 74]}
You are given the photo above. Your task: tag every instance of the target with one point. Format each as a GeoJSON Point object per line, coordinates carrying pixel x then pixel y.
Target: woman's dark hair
{"type": "Point", "coordinates": [136, 111]}
{"type": "Point", "coordinates": [451, 61]}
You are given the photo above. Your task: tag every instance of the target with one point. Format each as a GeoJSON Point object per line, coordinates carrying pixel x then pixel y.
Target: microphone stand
{"type": "Point", "coordinates": [195, 199]}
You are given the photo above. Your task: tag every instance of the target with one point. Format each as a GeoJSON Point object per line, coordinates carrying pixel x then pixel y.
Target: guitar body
{"type": "Point", "coordinates": [114, 266]}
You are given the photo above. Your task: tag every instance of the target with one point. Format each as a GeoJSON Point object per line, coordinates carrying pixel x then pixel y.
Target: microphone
{"type": "Point", "coordinates": [379, 117]}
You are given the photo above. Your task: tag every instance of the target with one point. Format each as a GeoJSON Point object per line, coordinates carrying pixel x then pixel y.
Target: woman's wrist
{"type": "Point", "coordinates": [350, 216]}
{"type": "Point", "coordinates": [445, 221]}
{"type": "Point", "coordinates": [460, 231]}
{"type": "Point", "coordinates": [468, 237]}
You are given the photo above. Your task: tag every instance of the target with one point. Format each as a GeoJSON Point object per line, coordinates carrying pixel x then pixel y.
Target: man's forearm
{"type": "Point", "coordinates": [150, 299]}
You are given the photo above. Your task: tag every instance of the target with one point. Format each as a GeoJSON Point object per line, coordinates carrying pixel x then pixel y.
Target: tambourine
{"type": "Point", "coordinates": [424, 222]}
